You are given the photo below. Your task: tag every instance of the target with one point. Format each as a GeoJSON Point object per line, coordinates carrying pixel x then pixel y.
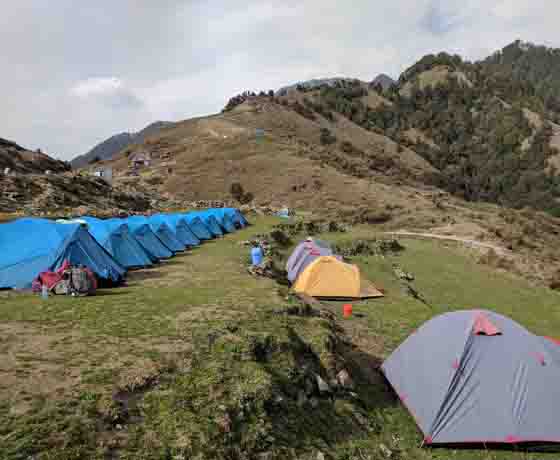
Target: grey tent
{"type": "Point", "coordinates": [305, 253]}
{"type": "Point", "coordinates": [477, 377]}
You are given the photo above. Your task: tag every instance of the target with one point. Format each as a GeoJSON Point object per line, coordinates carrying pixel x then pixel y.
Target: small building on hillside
{"type": "Point", "coordinates": [105, 172]}
{"type": "Point", "coordinates": [140, 159]}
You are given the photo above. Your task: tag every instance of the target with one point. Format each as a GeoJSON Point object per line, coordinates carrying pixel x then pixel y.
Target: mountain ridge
{"type": "Point", "coordinates": [106, 149]}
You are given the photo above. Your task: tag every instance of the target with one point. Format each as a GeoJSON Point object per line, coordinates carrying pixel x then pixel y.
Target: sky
{"type": "Point", "coordinates": [75, 73]}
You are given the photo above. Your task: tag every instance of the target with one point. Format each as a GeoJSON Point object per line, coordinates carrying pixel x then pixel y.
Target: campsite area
{"type": "Point", "coordinates": [196, 358]}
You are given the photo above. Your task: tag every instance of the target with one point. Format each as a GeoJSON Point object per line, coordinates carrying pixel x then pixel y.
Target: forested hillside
{"type": "Point", "coordinates": [469, 121]}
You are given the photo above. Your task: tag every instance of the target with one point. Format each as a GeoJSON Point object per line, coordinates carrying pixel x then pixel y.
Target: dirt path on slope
{"type": "Point", "coordinates": [469, 242]}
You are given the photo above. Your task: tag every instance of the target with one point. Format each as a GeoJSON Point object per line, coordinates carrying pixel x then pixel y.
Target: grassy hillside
{"type": "Point", "coordinates": [201, 158]}
{"type": "Point", "coordinates": [197, 359]}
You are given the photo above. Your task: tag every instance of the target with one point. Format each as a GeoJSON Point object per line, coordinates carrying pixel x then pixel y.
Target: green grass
{"type": "Point", "coordinates": [205, 322]}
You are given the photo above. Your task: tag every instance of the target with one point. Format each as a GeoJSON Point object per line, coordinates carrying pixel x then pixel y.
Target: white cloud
{"type": "Point", "coordinates": [97, 87]}
{"type": "Point", "coordinates": [110, 91]}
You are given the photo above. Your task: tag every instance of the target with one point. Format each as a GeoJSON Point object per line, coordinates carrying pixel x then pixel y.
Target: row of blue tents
{"type": "Point", "coordinates": [109, 247]}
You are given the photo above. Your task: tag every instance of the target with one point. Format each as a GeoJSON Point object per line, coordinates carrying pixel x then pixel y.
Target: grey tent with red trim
{"type": "Point", "coordinates": [303, 255]}
{"type": "Point", "coordinates": [477, 377]}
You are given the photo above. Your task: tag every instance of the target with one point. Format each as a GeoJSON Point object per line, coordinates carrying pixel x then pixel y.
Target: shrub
{"type": "Point", "coordinates": [327, 138]}
{"type": "Point", "coordinates": [237, 191]}
{"type": "Point", "coordinates": [247, 198]}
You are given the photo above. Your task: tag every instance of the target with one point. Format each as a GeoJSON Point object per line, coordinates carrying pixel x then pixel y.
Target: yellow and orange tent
{"type": "Point", "coordinates": [328, 277]}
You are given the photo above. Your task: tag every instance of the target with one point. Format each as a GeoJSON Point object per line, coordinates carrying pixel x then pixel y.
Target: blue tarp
{"type": "Point", "coordinates": [197, 226]}
{"type": "Point", "coordinates": [143, 233]}
{"type": "Point", "coordinates": [179, 226]}
{"type": "Point", "coordinates": [30, 246]}
{"type": "Point", "coordinates": [114, 236]}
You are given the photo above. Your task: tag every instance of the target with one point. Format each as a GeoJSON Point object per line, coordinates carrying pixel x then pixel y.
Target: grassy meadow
{"type": "Point", "coordinates": [196, 358]}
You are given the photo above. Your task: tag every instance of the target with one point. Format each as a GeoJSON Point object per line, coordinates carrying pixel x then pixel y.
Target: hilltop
{"type": "Point", "coordinates": [21, 160]}
{"type": "Point", "coordinates": [385, 81]}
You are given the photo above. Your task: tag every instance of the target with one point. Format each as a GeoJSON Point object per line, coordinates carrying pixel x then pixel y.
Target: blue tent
{"type": "Point", "coordinates": [179, 226]}
{"type": "Point", "coordinates": [197, 226]}
{"type": "Point", "coordinates": [223, 218]}
{"type": "Point", "coordinates": [233, 214]}
{"type": "Point", "coordinates": [114, 236]}
{"type": "Point", "coordinates": [211, 223]}
{"type": "Point", "coordinates": [30, 246]}
{"type": "Point", "coordinates": [165, 234]}
{"type": "Point", "coordinates": [240, 217]}
{"type": "Point", "coordinates": [236, 216]}
{"type": "Point", "coordinates": [143, 233]}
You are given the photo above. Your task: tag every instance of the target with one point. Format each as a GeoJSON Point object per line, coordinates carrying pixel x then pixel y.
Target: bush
{"type": "Point", "coordinates": [376, 217]}
{"type": "Point", "coordinates": [303, 111]}
{"type": "Point", "coordinates": [327, 138]}
{"type": "Point", "coordinates": [247, 198]}
{"type": "Point", "coordinates": [237, 191]}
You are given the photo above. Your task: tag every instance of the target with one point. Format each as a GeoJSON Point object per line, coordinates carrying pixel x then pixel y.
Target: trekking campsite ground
{"type": "Point", "coordinates": [195, 358]}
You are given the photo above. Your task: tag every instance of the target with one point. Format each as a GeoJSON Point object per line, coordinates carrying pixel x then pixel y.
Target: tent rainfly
{"type": "Point", "coordinates": [30, 246]}
{"type": "Point", "coordinates": [198, 227]}
{"type": "Point", "coordinates": [114, 236]}
{"type": "Point", "coordinates": [143, 233]}
{"type": "Point", "coordinates": [478, 378]}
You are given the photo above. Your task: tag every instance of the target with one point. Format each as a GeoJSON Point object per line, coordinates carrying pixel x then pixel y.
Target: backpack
{"type": "Point", "coordinates": [62, 287]}
{"type": "Point", "coordinates": [81, 281]}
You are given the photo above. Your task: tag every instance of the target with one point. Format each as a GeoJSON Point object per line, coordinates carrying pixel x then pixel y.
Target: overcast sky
{"type": "Point", "coordinates": [73, 75]}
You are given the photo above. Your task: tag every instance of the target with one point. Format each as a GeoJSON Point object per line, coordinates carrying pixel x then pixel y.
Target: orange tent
{"type": "Point", "coordinates": [330, 278]}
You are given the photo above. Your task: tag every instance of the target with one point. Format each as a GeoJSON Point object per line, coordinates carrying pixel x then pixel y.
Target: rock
{"type": "Point", "coordinates": [322, 385]}
{"type": "Point", "coordinates": [309, 386]}
{"type": "Point", "coordinates": [387, 453]}
{"type": "Point", "coordinates": [225, 423]}
{"type": "Point", "coordinates": [344, 380]}
{"type": "Point", "coordinates": [82, 211]}
{"type": "Point", "coordinates": [362, 421]}
{"type": "Point", "coordinates": [401, 274]}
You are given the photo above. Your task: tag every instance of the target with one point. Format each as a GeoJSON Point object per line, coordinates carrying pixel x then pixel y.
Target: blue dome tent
{"type": "Point", "coordinates": [143, 233]}
{"type": "Point", "coordinates": [114, 236]}
{"type": "Point", "coordinates": [224, 219]}
{"type": "Point", "coordinates": [197, 226]}
{"type": "Point", "coordinates": [211, 223]}
{"type": "Point", "coordinates": [180, 227]}
{"type": "Point", "coordinates": [43, 245]}
{"type": "Point", "coordinates": [164, 232]}
{"type": "Point", "coordinates": [235, 215]}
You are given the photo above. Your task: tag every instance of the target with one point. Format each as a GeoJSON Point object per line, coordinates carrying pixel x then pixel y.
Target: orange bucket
{"type": "Point", "coordinates": [347, 310]}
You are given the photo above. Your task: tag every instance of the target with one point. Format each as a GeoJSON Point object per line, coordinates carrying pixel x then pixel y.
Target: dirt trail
{"type": "Point", "coordinates": [472, 243]}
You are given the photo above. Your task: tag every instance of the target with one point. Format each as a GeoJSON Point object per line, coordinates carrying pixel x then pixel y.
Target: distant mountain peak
{"type": "Point", "coordinates": [384, 80]}
{"type": "Point", "coordinates": [107, 149]}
